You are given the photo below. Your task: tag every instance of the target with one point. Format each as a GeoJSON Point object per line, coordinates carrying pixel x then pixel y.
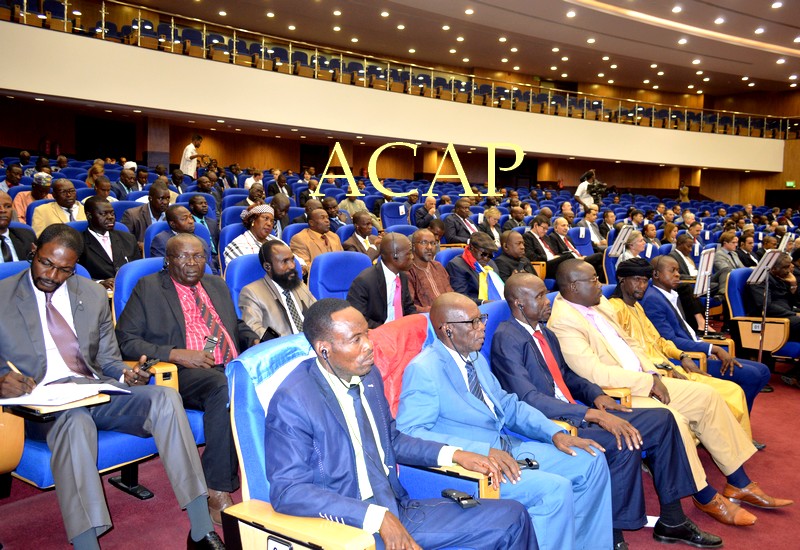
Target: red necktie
{"type": "Point", "coordinates": [571, 248]}
{"type": "Point", "coordinates": [397, 302]}
{"type": "Point", "coordinates": [552, 366]}
{"type": "Point", "coordinates": [547, 246]}
{"type": "Point", "coordinates": [325, 240]}
{"type": "Point", "coordinates": [470, 226]}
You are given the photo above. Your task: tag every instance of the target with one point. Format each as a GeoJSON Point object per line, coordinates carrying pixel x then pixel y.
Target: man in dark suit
{"type": "Point", "coordinates": [562, 244]}
{"type": "Point", "coordinates": [310, 206]}
{"type": "Point", "coordinates": [16, 243]}
{"type": "Point", "coordinates": [463, 277]}
{"type": "Point", "coordinates": [178, 181]}
{"type": "Point", "coordinates": [255, 194]}
{"type": "Point", "coordinates": [515, 219]}
{"type": "Point", "coordinates": [457, 226]}
{"type": "Point", "coordinates": [138, 219]}
{"type": "Point", "coordinates": [338, 218]}
{"type": "Point", "coordinates": [381, 292]}
{"type": "Point", "coordinates": [745, 250]}
{"type": "Point", "coordinates": [527, 361]}
{"type": "Point", "coordinates": [589, 221]}
{"type": "Point", "coordinates": [609, 218]}
{"type": "Point", "coordinates": [658, 303]}
{"type": "Point", "coordinates": [783, 301]}
{"type": "Point", "coordinates": [767, 243]}
{"type": "Point", "coordinates": [279, 186]}
{"type": "Point", "coordinates": [177, 315]}
{"type": "Point", "coordinates": [682, 252]}
{"type": "Point", "coordinates": [327, 458]}
{"type": "Point", "coordinates": [280, 206]}
{"type": "Point", "coordinates": [427, 213]}
{"type": "Point", "coordinates": [198, 206]}
{"type": "Point", "coordinates": [539, 248]}
{"type": "Point", "coordinates": [180, 220]}
{"type": "Point", "coordinates": [78, 322]}
{"type": "Point", "coordinates": [205, 185]}
{"type": "Point", "coordinates": [512, 260]}
{"type": "Point", "coordinates": [105, 250]}
{"type": "Point", "coordinates": [362, 240]}
{"type": "Point", "coordinates": [127, 184]}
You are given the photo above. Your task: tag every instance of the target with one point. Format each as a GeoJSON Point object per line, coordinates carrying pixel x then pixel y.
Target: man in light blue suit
{"type": "Point", "coordinates": [332, 451]}
{"type": "Point", "coordinates": [450, 395]}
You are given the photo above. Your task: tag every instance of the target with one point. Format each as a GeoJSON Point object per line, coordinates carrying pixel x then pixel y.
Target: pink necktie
{"type": "Point", "coordinates": [397, 302]}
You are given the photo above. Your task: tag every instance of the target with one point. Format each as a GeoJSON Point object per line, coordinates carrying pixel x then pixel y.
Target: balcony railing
{"type": "Point", "coordinates": [191, 36]}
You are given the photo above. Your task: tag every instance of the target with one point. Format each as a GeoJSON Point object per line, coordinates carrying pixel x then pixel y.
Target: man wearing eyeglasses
{"type": "Point", "coordinates": [57, 328]}
{"type": "Point", "coordinates": [450, 395]}
{"type": "Point", "coordinates": [65, 208]}
{"type": "Point", "coordinates": [183, 316]}
{"type": "Point", "coordinates": [427, 278]}
{"type": "Point", "coordinates": [469, 272]}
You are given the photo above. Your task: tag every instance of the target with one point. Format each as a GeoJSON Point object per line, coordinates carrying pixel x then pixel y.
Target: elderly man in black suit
{"type": "Point", "coordinates": [105, 250]}
{"type": "Point", "coordinates": [463, 275]}
{"type": "Point", "coordinates": [564, 245]}
{"type": "Point", "coordinates": [14, 242]}
{"type": "Point", "coordinates": [457, 226]}
{"type": "Point", "coordinates": [381, 292]}
{"type": "Point", "coordinates": [310, 206]}
{"type": "Point", "coordinates": [539, 247]}
{"type": "Point", "coordinates": [140, 218]}
{"type": "Point", "coordinates": [183, 316]}
{"type": "Point", "coordinates": [427, 213]}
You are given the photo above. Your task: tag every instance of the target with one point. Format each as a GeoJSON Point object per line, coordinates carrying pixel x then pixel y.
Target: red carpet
{"type": "Point", "coordinates": [31, 519]}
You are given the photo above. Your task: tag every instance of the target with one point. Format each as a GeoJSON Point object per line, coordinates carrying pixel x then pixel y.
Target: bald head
{"type": "Point", "coordinates": [450, 306]}
{"type": "Point", "coordinates": [396, 252]}
{"type": "Point", "coordinates": [578, 283]}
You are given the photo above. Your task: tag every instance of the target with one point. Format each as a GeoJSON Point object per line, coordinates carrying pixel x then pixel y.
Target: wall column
{"type": "Point", "coordinates": [156, 149]}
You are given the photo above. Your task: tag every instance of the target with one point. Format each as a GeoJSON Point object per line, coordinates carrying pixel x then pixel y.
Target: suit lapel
{"type": "Point", "coordinates": [172, 301]}
{"type": "Point", "coordinates": [25, 299]}
{"type": "Point", "coordinates": [457, 380]}
{"type": "Point", "coordinates": [381, 288]}
{"type": "Point", "coordinates": [328, 395]}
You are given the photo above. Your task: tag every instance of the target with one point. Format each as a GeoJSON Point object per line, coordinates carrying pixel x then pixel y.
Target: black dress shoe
{"type": "Point", "coordinates": [211, 542]}
{"type": "Point", "coordinates": [790, 381]}
{"type": "Point", "coordinates": [621, 545]}
{"type": "Point", "coordinates": [759, 446]}
{"type": "Point", "coordinates": [767, 389]}
{"type": "Point", "coordinates": [687, 533]}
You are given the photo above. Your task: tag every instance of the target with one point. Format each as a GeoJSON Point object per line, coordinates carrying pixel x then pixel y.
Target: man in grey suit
{"type": "Point", "coordinates": [140, 218]}
{"type": "Point", "coordinates": [362, 240]}
{"type": "Point", "coordinates": [726, 259]}
{"type": "Point", "coordinates": [276, 304]}
{"type": "Point", "coordinates": [589, 221]}
{"type": "Point", "coordinates": [57, 327]}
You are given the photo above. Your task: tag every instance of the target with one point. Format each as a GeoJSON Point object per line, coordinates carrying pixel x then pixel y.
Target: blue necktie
{"type": "Point", "coordinates": [381, 489]}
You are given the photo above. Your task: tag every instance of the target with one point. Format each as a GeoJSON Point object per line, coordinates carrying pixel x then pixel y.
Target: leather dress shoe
{"type": "Point", "coordinates": [767, 389]}
{"type": "Point", "coordinates": [217, 502]}
{"type": "Point", "coordinates": [621, 545]}
{"type": "Point", "coordinates": [725, 511]}
{"type": "Point", "coordinates": [687, 533]}
{"type": "Point", "coordinates": [210, 542]}
{"type": "Point", "coordinates": [790, 381]}
{"type": "Point", "coordinates": [759, 446]}
{"type": "Point", "coordinates": [754, 496]}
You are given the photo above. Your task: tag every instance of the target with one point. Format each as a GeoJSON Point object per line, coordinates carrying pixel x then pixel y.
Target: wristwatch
{"type": "Point", "coordinates": [683, 356]}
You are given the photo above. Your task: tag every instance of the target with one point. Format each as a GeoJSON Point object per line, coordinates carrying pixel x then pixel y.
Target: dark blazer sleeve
{"type": "Point", "coordinates": [158, 247]}
{"type": "Point", "coordinates": [422, 218]}
{"type": "Point", "coordinates": [364, 295]}
{"type": "Point", "coordinates": [454, 230]}
{"type": "Point", "coordinates": [408, 302]}
{"type": "Point", "coordinates": [666, 321]}
{"type": "Point", "coordinates": [462, 279]}
{"type": "Point", "coordinates": [220, 296]}
{"type": "Point", "coordinates": [533, 250]}
{"type": "Point", "coordinates": [22, 240]}
{"type": "Point", "coordinates": [146, 326]}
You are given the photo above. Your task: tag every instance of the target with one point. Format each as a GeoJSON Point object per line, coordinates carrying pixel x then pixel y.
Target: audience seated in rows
{"type": "Point", "coordinates": [16, 243]}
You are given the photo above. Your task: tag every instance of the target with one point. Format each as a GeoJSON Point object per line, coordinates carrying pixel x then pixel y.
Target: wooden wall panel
{"type": "Point", "coordinates": [764, 103]}
{"type": "Point", "coordinates": [693, 101]}
{"type": "Point", "coordinates": [26, 125]}
{"type": "Point", "coordinates": [624, 176]}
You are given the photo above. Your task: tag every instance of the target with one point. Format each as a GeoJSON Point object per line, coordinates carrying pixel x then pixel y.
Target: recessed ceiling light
{"type": "Point", "coordinates": [220, 121]}
{"type": "Point", "coordinates": [337, 29]}
{"type": "Point", "coordinates": [223, 13]}
{"type": "Point", "coordinates": [238, 129]}
{"type": "Point", "coordinates": [590, 41]}
{"type": "Point", "coordinates": [277, 137]}
{"type": "Point", "coordinates": [660, 73]}
{"type": "Point", "coordinates": [776, 5]}
{"type": "Point", "coordinates": [137, 110]}
{"type": "Point", "coordinates": [759, 30]}
{"type": "Point", "coordinates": [213, 129]}
{"type": "Point", "coordinates": [654, 65]}
{"type": "Point", "coordinates": [465, 60]}
{"type": "Point", "coordinates": [504, 60]}
{"type": "Point", "coordinates": [690, 86]}
{"type": "Point", "coordinates": [452, 50]}
{"type": "Point", "coordinates": [108, 110]}
{"type": "Point", "coordinates": [264, 130]}
{"type": "Point", "coordinates": [295, 130]}
{"type": "Point", "coordinates": [745, 78]}
{"type": "Point", "coordinates": [698, 73]}
{"type": "Point", "coordinates": [617, 161]}
{"type": "Point", "coordinates": [445, 27]}
{"type": "Point", "coordinates": [190, 121]}
{"type": "Point", "coordinates": [793, 85]}
{"type": "Point", "coordinates": [302, 137]}
{"type": "Point", "coordinates": [563, 75]}
{"type": "Point", "coordinates": [706, 79]}
{"type": "Point", "coordinates": [780, 61]}
{"type": "Point", "coordinates": [270, 14]}
{"type": "Point", "coordinates": [354, 39]}
{"type": "Point", "coordinates": [613, 66]}
{"type": "Point", "coordinates": [565, 58]}
{"type": "Point", "coordinates": [401, 27]}
{"type": "Point", "coordinates": [751, 84]}
{"type": "Point", "coordinates": [601, 75]}
{"type": "Point", "coordinates": [682, 41]}
{"type": "Point", "coordinates": [292, 27]}
{"type": "Point", "coordinates": [606, 58]}
{"type": "Point", "coordinates": [553, 68]}
{"type": "Point", "coordinates": [76, 12]}
{"type": "Point", "coordinates": [611, 81]}
{"type": "Point", "coordinates": [793, 77]}
{"type": "Point", "coordinates": [646, 81]}
{"type": "Point", "coordinates": [700, 92]}
{"type": "Point", "coordinates": [384, 14]}
{"type": "Point", "coordinates": [460, 39]}
{"type": "Point", "coordinates": [677, 9]}
{"type": "Point", "coordinates": [502, 39]}
{"type": "Point", "coordinates": [412, 50]}
{"type": "Point", "coordinates": [337, 13]}
{"type": "Point", "coordinates": [571, 13]}
{"type": "Point", "coordinates": [796, 39]}
{"type": "Point", "coordinates": [655, 87]}
{"type": "Point", "coordinates": [516, 67]}
{"type": "Point", "coordinates": [695, 61]}
{"type": "Point", "coordinates": [719, 20]}
{"type": "Point", "coordinates": [514, 50]}
{"type": "Point", "coordinates": [469, 11]}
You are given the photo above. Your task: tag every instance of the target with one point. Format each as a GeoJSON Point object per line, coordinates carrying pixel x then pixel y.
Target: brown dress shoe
{"type": "Point", "coordinates": [725, 511]}
{"type": "Point", "coordinates": [217, 502]}
{"type": "Point", "coordinates": [754, 496]}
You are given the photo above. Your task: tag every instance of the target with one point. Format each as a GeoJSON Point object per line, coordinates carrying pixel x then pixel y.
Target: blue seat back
{"type": "Point", "coordinates": [121, 206]}
{"type": "Point", "coordinates": [292, 230]}
{"type": "Point", "coordinates": [241, 272]}
{"type": "Point", "coordinates": [390, 214]}
{"type": "Point", "coordinates": [156, 228]}
{"type": "Point", "coordinates": [32, 206]}
{"type": "Point", "coordinates": [231, 215]}
{"type": "Point", "coordinates": [332, 273]}
{"type": "Point", "coordinates": [404, 229]}
{"type": "Point", "coordinates": [226, 235]}
{"type": "Point", "coordinates": [582, 239]}
{"type": "Point", "coordinates": [498, 312]}
{"type": "Point", "coordinates": [446, 254]}
{"type": "Point", "coordinates": [212, 202]}
{"type": "Point", "coordinates": [737, 280]}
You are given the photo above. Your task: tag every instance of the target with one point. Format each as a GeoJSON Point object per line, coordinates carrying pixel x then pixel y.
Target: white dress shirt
{"type": "Point", "coordinates": [5, 236]}
{"type": "Point", "coordinates": [462, 368]}
{"type": "Point", "coordinates": [556, 390]}
{"type": "Point", "coordinates": [279, 289]}
{"type": "Point", "coordinates": [105, 242]}
{"type": "Point", "coordinates": [673, 298]}
{"type": "Point", "coordinates": [390, 277]}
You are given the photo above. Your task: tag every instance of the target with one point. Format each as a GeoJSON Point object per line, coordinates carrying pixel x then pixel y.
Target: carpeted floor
{"type": "Point", "coordinates": [31, 519]}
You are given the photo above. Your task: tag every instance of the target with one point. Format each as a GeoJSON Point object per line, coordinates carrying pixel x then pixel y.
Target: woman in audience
{"type": "Point", "coordinates": [633, 246]}
{"type": "Point", "coordinates": [670, 233]}
{"type": "Point", "coordinates": [259, 219]}
{"type": "Point", "coordinates": [490, 226]}
{"type": "Point", "coordinates": [97, 170]}
{"type": "Point", "coordinates": [649, 234]}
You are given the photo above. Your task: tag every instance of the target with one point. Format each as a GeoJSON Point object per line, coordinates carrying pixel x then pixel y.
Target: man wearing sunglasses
{"type": "Point", "coordinates": [450, 395]}
{"type": "Point", "coordinates": [468, 272]}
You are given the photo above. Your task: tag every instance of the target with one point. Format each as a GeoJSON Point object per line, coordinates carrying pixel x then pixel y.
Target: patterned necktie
{"type": "Point", "coordinates": [213, 327]}
{"type": "Point", "coordinates": [298, 322]}
{"type": "Point", "coordinates": [69, 214]}
{"type": "Point", "coordinates": [203, 223]}
{"type": "Point", "coordinates": [381, 489]}
{"type": "Point", "coordinates": [65, 339]}
{"type": "Point", "coordinates": [470, 225]}
{"type": "Point", "coordinates": [7, 257]}
{"type": "Point", "coordinates": [476, 390]}
{"type": "Point", "coordinates": [552, 366]}
{"type": "Point", "coordinates": [397, 302]}
{"type": "Point", "coordinates": [546, 246]}
{"type": "Point", "coordinates": [571, 248]}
